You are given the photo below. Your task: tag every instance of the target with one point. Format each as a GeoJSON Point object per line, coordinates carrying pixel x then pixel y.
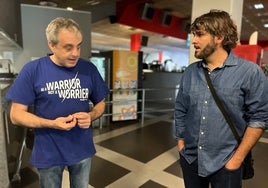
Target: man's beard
{"type": "Point", "coordinates": [207, 51]}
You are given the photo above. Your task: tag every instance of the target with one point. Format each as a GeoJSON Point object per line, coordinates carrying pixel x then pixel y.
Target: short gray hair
{"type": "Point", "coordinates": [59, 23]}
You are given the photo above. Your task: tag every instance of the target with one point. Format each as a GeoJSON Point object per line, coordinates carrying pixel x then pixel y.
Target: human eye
{"type": "Point", "coordinates": [199, 33]}
{"type": "Point", "coordinates": [68, 48]}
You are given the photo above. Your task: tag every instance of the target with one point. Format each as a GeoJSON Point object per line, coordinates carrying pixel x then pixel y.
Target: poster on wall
{"type": "Point", "coordinates": [124, 80]}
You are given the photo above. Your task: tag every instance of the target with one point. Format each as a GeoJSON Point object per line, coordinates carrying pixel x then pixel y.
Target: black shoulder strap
{"type": "Point", "coordinates": [218, 102]}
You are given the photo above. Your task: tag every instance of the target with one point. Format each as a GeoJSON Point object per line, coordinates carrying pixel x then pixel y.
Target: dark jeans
{"type": "Point", "coordinates": [223, 178]}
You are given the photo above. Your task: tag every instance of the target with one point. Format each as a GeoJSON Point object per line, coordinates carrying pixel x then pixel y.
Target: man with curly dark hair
{"type": "Point", "coordinates": [209, 153]}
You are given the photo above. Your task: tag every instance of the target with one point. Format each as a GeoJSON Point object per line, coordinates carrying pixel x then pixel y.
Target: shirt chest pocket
{"type": "Point", "coordinates": [232, 97]}
{"type": "Point", "coordinates": [194, 96]}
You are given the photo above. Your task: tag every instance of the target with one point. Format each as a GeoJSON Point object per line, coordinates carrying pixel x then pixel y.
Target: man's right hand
{"type": "Point", "coordinates": [180, 144]}
{"type": "Point", "coordinates": [65, 123]}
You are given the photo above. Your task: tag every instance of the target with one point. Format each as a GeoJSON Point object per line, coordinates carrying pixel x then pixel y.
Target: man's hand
{"type": "Point", "coordinates": [233, 164]}
{"type": "Point", "coordinates": [83, 119]}
{"type": "Point", "coordinates": [250, 138]}
{"type": "Point", "coordinates": [180, 144]}
{"type": "Point", "coordinates": [65, 123]}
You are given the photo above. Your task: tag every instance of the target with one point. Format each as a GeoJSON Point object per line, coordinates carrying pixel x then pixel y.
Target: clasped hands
{"type": "Point", "coordinates": [82, 119]}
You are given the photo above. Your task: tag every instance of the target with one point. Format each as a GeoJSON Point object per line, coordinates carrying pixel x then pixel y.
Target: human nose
{"type": "Point", "coordinates": [76, 52]}
{"type": "Point", "coordinates": [194, 39]}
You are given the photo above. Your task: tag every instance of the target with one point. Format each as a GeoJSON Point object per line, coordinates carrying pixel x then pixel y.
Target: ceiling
{"type": "Point", "coordinates": [107, 35]}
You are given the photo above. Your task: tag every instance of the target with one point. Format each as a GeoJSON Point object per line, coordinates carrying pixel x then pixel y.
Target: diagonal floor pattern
{"type": "Point", "coordinates": [143, 144]}
{"type": "Point", "coordinates": [149, 159]}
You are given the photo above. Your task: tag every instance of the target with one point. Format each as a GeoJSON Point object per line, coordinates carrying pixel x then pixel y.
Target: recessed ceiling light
{"type": "Point", "coordinates": [258, 6]}
{"type": "Point", "coordinates": [259, 14]}
{"type": "Point", "coordinates": [48, 3]}
{"type": "Point", "coordinates": [266, 25]}
{"type": "Point", "coordinates": [69, 8]}
{"type": "Point", "coordinates": [264, 20]}
{"type": "Point", "coordinates": [89, 2]}
{"type": "Point", "coordinates": [93, 2]}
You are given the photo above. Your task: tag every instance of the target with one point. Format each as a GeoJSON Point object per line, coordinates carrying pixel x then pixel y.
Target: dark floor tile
{"type": "Point", "coordinates": [144, 144]}
{"type": "Point", "coordinates": [108, 126]}
{"type": "Point", "coordinates": [260, 179]}
{"type": "Point", "coordinates": [104, 172]}
{"type": "Point", "coordinates": [152, 184]}
{"type": "Point", "coordinates": [265, 135]}
{"type": "Point", "coordinates": [174, 169]}
{"type": "Point", "coordinates": [29, 179]}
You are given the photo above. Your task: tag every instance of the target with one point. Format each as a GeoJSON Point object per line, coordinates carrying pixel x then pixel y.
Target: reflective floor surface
{"type": "Point", "coordinates": [130, 156]}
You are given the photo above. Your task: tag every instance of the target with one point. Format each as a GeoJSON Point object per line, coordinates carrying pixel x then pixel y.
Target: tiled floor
{"type": "Point", "coordinates": [132, 156]}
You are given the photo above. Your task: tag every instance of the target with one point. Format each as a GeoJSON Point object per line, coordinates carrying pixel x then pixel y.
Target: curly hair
{"type": "Point", "coordinates": [218, 23]}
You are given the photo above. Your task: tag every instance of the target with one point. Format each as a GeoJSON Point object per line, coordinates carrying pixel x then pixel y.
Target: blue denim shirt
{"type": "Point", "coordinates": [243, 89]}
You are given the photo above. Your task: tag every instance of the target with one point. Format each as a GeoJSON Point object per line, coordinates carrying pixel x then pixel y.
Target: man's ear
{"type": "Point", "coordinates": [51, 45]}
{"type": "Point", "coordinates": [219, 39]}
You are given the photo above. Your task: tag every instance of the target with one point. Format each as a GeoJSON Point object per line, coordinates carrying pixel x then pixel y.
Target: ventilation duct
{"type": "Point", "coordinates": [6, 43]}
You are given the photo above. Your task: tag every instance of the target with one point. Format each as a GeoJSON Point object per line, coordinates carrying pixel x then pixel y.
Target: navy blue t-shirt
{"type": "Point", "coordinates": [56, 91]}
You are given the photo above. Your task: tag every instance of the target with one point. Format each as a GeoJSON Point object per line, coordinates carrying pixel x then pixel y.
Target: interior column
{"type": "Point", "coordinates": [135, 42]}
{"type": "Point", "coordinates": [233, 7]}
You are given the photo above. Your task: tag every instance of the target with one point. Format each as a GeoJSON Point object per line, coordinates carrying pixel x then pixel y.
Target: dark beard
{"type": "Point", "coordinates": [207, 51]}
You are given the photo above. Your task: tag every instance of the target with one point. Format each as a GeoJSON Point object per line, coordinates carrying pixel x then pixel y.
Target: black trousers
{"type": "Point", "coordinates": [223, 178]}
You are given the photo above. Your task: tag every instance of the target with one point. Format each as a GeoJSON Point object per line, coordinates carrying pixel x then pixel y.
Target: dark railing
{"type": "Point", "coordinates": [142, 99]}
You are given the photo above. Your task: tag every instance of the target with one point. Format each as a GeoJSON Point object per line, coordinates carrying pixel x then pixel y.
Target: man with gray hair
{"type": "Point", "coordinates": [60, 87]}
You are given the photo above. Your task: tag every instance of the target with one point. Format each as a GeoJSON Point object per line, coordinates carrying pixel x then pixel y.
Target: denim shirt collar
{"type": "Point", "coordinates": [230, 61]}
